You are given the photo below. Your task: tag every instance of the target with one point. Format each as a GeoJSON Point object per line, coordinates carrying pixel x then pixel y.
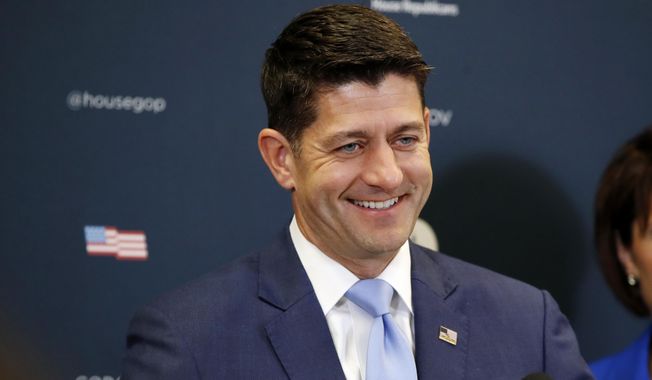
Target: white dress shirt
{"type": "Point", "coordinates": [348, 323]}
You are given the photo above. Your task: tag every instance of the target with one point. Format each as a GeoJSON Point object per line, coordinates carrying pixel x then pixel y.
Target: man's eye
{"type": "Point", "coordinates": [350, 148]}
{"type": "Point", "coordinates": [406, 140]}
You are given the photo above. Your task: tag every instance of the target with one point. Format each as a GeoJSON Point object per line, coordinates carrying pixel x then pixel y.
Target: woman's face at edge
{"type": "Point", "coordinates": [637, 258]}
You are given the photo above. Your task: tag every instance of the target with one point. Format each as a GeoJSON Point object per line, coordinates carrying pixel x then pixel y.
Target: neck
{"type": "Point", "coordinates": [363, 264]}
{"type": "Point", "coordinates": [364, 268]}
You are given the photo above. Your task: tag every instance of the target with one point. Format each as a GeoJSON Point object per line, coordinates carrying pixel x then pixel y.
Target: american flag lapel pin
{"type": "Point", "coordinates": [448, 335]}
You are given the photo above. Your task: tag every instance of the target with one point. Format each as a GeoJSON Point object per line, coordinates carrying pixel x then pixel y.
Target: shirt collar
{"type": "Point", "coordinates": [331, 280]}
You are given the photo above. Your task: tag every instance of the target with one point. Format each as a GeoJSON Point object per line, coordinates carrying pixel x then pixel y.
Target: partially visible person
{"type": "Point", "coordinates": [623, 234]}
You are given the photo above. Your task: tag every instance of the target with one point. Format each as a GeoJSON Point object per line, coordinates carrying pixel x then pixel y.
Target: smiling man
{"type": "Point", "coordinates": [342, 293]}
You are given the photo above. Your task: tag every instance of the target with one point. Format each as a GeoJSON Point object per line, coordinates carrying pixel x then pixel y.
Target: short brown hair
{"type": "Point", "coordinates": [327, 47]}
{"type": "Point", "coordinates": [623, 197]}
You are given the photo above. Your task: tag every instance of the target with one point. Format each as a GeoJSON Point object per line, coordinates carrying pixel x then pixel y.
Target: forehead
{"type": "Point", "coordinates": [394, 101]}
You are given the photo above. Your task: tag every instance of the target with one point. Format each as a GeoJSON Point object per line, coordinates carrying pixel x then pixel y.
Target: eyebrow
{"type": "Point", "coordinates": [340, 137]}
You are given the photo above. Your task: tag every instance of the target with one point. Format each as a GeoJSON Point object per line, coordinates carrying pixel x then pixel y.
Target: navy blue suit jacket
{"type": "Point", "coordinates": [259, 318]}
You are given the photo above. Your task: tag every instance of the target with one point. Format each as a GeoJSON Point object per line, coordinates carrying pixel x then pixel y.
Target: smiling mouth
{"type": "Point", "coordinates": [376, 205]}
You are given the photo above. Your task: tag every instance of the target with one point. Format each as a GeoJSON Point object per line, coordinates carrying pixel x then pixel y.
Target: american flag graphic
{"type": "Point", "coordinates": [110, 241]}
{"type": "Point", "coordinates": [448, 335]}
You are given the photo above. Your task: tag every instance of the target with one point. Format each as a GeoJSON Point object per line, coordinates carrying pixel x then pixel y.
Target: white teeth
{"type": "Point", "coordinates": [377, 205]}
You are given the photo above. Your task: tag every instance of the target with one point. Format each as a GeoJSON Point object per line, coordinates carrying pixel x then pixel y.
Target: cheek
{"type": "Point", "coordinates": [643, 252]}
{"type": "Point", "coordinates": [645, 269]}
{"type": "Point", "coordinates": [332, 181]}
{"type": "Point", "coordinates": [418, 169]}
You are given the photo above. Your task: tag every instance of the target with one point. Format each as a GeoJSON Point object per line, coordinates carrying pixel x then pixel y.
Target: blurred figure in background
{"type": "Point", "coordinates": [623, 235]}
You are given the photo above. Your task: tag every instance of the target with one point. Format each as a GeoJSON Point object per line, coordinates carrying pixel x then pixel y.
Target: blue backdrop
{"type": "Point", "coordinates": [144, 116]}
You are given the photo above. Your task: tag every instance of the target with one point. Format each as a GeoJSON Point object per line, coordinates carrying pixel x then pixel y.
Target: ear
{"type": "Point", "coordinates": [277, 154]}
{"type": "Point", "coordinates": [626, 259]}
{"type": "Point", "coordinates": [426, 122]}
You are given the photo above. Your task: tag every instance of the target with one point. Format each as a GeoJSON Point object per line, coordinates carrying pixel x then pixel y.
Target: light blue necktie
{"type": "Point", "coordinates": [389, 356]}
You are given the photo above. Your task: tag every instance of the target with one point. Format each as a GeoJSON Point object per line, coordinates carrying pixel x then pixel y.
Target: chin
{"type": "Point", "coordinates": [385, 243]}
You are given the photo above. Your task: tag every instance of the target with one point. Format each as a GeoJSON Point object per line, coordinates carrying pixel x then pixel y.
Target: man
{"type": "Point", "coordinates": [348, 137]}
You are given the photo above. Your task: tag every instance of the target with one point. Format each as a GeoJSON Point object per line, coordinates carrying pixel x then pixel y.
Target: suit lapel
{"type": "Point", "coordinates": [431, 286]}
{"type": "Point", "coordinates": [299, 335]}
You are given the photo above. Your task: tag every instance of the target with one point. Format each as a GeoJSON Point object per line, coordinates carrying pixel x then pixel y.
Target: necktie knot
{"type": "Point", "coordinates": [373, 296]}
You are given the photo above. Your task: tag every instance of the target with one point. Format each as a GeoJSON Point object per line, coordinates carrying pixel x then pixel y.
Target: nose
{"type": "Point", "coordinates": [381, 169]}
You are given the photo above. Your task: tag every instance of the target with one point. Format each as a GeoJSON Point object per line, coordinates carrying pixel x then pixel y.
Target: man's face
{"type": "Point", "coordinates": [363, 173]}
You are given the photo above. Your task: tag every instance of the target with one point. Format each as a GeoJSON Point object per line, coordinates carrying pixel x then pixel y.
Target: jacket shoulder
{"type": "Point", "coordinates": [472, 279]}
{"type": "Point", "coordinates": [212, 291]}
